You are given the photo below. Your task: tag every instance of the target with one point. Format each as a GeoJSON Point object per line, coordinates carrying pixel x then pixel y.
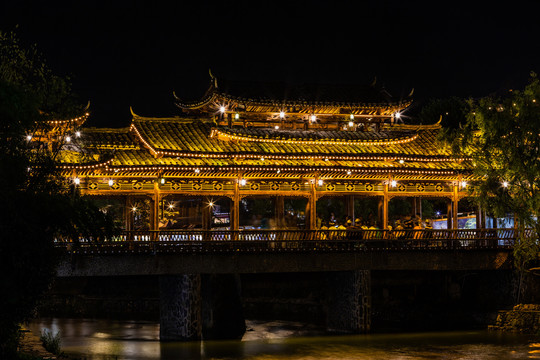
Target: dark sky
{"type": "Point", "coordinates": [134, 53]}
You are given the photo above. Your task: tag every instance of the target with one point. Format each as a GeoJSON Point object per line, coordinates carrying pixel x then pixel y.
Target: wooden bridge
{"type": "Point", "coordinates": [180, 259]}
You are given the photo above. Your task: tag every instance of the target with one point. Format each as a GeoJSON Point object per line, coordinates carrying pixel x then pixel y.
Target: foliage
{"type": "Point", "coordinates": [51, 342]}
{"type": "Point", "coordinates": [37, 205]}
{"type": "Point", "coordinates": [502, 135]}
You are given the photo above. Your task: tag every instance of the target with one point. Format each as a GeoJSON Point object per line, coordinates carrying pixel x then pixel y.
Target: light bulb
{"type": "Point", "coordinates": [111, 182]}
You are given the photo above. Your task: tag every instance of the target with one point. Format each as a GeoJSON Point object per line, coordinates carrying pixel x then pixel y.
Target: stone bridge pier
{"type": "Point", "coordinates": [208, 306]}
{"type": "Point", "coordinates": [195, 306]}
{"type": "Point", "coordinates": [348, 301]}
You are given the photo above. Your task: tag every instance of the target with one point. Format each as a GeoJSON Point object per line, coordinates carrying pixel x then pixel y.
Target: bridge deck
{"type": "Point", "coordinates": [197, 241]}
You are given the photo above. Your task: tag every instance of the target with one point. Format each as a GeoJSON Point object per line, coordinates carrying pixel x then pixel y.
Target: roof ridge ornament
{"type": "Point", "coordinates": [213, 78]}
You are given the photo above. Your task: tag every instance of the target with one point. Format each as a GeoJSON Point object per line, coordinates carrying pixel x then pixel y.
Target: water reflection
{"type": "Point", "coordinates": [104, 339]}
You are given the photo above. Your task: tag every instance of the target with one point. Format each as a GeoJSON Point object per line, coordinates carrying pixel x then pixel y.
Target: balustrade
{"type": "Point", "coordinates": [197, 241]}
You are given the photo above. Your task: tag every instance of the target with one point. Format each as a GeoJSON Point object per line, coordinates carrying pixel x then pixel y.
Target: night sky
{"type": "Point", "coordinates": [134, 53]}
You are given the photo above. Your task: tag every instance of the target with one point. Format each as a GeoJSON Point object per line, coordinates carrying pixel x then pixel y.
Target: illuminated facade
{"type": "Point", "coordinates": [241, 141]}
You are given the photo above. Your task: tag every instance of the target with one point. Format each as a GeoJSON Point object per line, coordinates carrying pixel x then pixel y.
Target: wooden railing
{"type": "Point", "coordinates": [197, 241]}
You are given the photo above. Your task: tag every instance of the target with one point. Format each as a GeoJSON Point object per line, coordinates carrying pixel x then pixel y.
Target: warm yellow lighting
{"type": "Point", "coordinates": [463, 184]}
{"type": "Point", "coordinates": [68, 139]}
{"type": "Point", "coordinates": [222, 109]}
{"type": "Point", "coordinates": [28, 137]}
{"type": "Point", "coordinates": [162, 181]}
{"type": "Point", "coordinates": [134, 209]}
{"type": "Point", "coordinates": [397, 115]}
{"type": "Point", "coordinates": [351, 123]}
{"type": "Point", "coordinates": [393, 183]}
{"type": "Point", "coordinates": [211, 204]}
{"type": "Point", "coordinates": [262, 159]}
{"type": "Point", "coordinates": [351, 117]}
{"type": "Point", "coordinates": [77, 133]}
{"type": "Point", "coordinates": [505, 184]}
{"type": "Point", "coordinates": [111, 182]}
{"type": "Point", "coordinates": [242, 182]}
{"type": "Point", "coordinates": [171, 206]}
{"type": "Point", "coordinates": [276, 127]}
{"type": "Point", "coordinates": [282, 114]}
{"type": "Point", "coordinates": [197, 171]}
{"type": "Point", "coordinates": [401, 161]}
{"type": "Point", "coordinates": [348, 172]}
{"type": "Point", "coordinates": [237, 116]}
{"type": "Point", "coordinates": [313, 118]}
{"type": "Point", "coordinates": [320, 182]}
{"type": "Point", "coordinates": [76, 181]}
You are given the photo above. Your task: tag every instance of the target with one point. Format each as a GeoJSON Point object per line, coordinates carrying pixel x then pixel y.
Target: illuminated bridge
{"type": "Point", "coordinates": [179, 258]}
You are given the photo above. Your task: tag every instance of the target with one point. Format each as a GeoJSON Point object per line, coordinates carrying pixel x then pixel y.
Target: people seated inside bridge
{"type": "Point", "coordinates": [399, 230]}
{"type": "Point", "coordinates": [342, 231]}
{"type": "Point", "coordinates": [417, 228]}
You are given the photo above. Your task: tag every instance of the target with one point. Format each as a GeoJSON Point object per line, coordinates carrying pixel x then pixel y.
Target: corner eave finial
{"type": "Point", "coordinates": [132, 112]}
{"type": "Point", "coordinates": [213, 78]}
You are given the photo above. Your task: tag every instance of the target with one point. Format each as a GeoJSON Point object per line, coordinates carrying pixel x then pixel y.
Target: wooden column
{"type": "Point", "coordinates": [235, 208]}
{"type": "Point", "coordinates": [128, 213]}
{"type": "Point", "coordinates": [154, 208]}
{"type": "Point", "coordinates": [350, 206]}
{"type": "Point", "coordinates": [311, 208]}
{"type": "Point", "coordinates": [385, 208]}
{"type": "Point", "coordinates": [280, 212]}
{"type": "Point", "coordinates": [455, 202]}
{"type": "Point", "coordinates": [449, 215]}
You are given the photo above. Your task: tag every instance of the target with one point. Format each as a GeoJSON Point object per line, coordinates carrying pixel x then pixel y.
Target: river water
{"type": "Point", "coordinates": [133, 340]}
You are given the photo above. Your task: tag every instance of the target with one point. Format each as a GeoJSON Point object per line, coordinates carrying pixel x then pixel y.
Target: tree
{"type": "Point", "coordinates": [37, 205]}
{"type": "Point", "coordinates": [502, 135]}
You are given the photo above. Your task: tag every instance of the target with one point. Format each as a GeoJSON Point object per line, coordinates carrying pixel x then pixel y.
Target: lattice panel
{"type": "Point", "coordinates": [420, 187]}
{"type": "Point", "coordinates": [352, 187]}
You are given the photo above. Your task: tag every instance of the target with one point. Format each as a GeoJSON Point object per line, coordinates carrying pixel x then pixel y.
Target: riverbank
{"type": "Point", "coordinates": [30, 345]}
{"type": "Point", "coordinates": [523, 319]}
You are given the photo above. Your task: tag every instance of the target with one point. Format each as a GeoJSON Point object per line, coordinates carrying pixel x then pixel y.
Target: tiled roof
{"type": "Point", "coordinates": [170, 137]}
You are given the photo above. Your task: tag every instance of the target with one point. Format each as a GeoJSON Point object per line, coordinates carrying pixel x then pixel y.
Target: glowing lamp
{"type": "Point", "coordinates": [401, 161]}
{"type": "Point", "coordinates": [171, 206]}
{"type": "Point", "coordinates": [76, 181]}
{"type": "Point", "coordinates": [197, 171]}
{"type": "Point", "coordinates": [134, 209]}
{"type": "Point", "coordinates": [463, 184]}
{"type": "Point", "coordinates": [242, 182]}
{"type": "Point", "coordinates": [351, 123]}
{"type": "Point", "coordinates": [68, 139]}
{"type": "Point", "coordinates": [162, 181]}
{"type": "Point", "coordinates": [313, 118]}
{"type": "Point", "coordinates": [348, 172]}
{"type": "Point", "coordinates": [237, 116]}
{"type": "Point", "coordinates": [28, 137]}
{"type": "Point", "coordinates": [111, 182]}
{"type": "Point", "coordinates": [393, 183]}
{"type": "Point", "coordinates": [397, 115]}
{"type": "Point", "coordinates": [276, 127]}
{"type": "Point", "coordinates": [282, 114]}
{"type": "Point", "coordinates": [505, 184]}
{"type": "Point", "coordinates": [320, 182]}
{"type": "Point", "coordinates": [77, 133]}
{"type": "Point", "coordinates": [351, 117]}
{"type": "Point", "coordinates": [222, 109]}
